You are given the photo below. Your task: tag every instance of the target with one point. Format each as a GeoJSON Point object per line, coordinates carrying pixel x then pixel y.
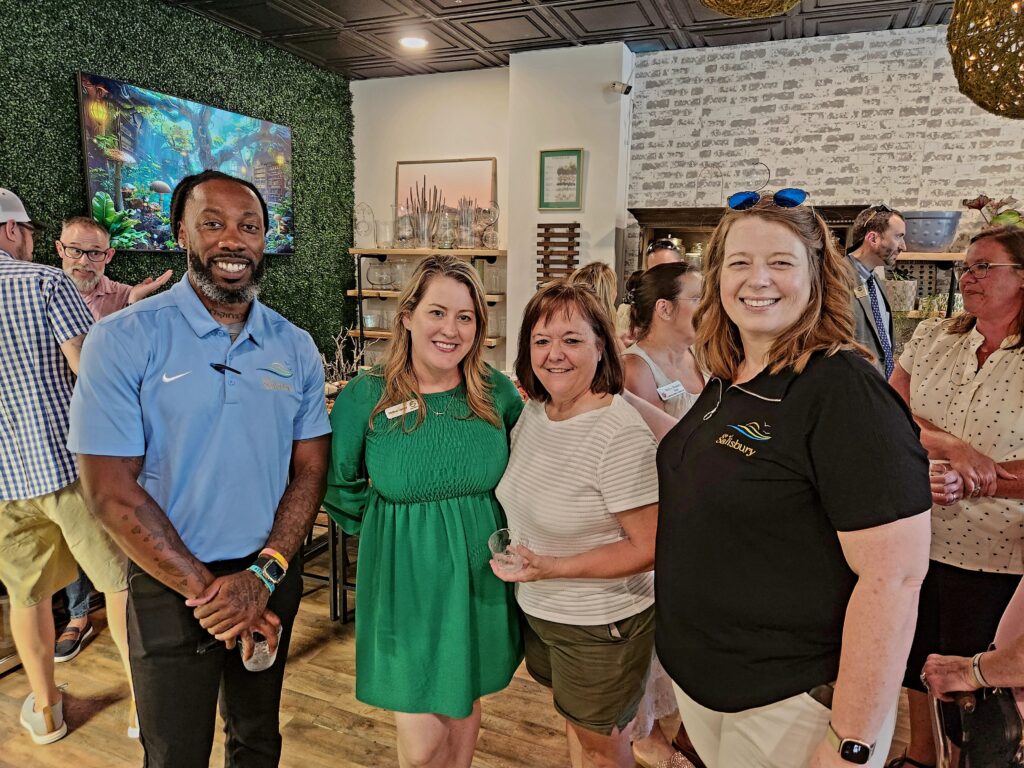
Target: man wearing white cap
{"type": "Point", "coordinates": [45, 526]}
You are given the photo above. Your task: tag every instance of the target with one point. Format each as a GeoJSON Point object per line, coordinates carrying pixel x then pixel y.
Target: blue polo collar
{"type": "Point", "coordinates": [203, 323]}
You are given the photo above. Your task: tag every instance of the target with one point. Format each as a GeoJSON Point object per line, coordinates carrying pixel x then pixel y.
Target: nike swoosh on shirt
{"type": "Point", "coordinates": [168, 379]}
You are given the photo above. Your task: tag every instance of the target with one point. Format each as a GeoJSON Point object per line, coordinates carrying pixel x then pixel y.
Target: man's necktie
{"type": "Point", "coordinates": [883, 332]}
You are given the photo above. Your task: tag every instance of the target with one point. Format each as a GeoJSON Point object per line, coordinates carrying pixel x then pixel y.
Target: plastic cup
{"type": "Point", "coordinates": [501, 543]}
{"type": "Point", "coordinates": [262, 659]}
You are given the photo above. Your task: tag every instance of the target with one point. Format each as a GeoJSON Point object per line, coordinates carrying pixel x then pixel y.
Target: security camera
{"type": "Point", "coordinates": [623, 88]}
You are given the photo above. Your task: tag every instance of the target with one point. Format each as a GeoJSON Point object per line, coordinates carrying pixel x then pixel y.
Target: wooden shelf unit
{"type": "Point", "coordinates": [937, 257]}
{"type": "Point", "coordinates": [491, 341]}
{"type": "Point", "coordinates": [423, 252]}
{"type": "Point", "coordinates": [490, 298]}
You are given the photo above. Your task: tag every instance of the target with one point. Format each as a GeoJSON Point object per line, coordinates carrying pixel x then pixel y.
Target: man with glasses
{"type": "Point", "coordinates": [45, 526]}
{"type": "Point", "coordinates": [877, 239]}
{"type": "Point", "coordinates": [84, 250]}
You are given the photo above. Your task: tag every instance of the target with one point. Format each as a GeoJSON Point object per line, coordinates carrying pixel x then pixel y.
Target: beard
{"type": "Point", "coordinates": [202, 277]}
{"type": "Point", "coordinates": [84, 284]}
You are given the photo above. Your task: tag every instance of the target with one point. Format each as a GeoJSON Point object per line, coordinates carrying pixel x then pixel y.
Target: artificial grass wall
{"type": "Point", "coordinates": [44, 43]}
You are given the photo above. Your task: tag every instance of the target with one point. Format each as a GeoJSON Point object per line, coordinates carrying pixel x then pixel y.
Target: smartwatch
{"type": "Point", "coordinates": [271, 569]}
{"type": "Point", "coordinates": [850, 750]}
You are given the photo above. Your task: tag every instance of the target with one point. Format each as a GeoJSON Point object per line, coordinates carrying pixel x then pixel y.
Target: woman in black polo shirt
{"type": "Point", "coordinates": [793, 536]}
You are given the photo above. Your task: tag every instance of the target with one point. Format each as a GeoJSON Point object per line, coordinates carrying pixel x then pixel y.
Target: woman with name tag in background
{"type": "Point", "coordinates": [660, 368]}
{"type": "Point", "coordinates": [420, 443]}
{"type": "Point", "coordinates": [793, 536]}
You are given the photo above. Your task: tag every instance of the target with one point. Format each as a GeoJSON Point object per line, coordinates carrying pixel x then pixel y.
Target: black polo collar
{"type": "Point", "coordinates": [769, 386]}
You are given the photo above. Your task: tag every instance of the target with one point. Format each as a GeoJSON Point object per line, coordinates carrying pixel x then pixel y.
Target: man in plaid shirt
{"type": "Point", "coordinates": [44, 523]}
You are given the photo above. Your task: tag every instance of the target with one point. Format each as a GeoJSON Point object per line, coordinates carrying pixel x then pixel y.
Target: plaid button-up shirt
{"type": "Point", "coordinates": [40, 309]}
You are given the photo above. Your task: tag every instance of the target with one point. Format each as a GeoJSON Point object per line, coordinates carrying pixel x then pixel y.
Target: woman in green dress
{"type": "Point", "coordinates": [419, 445]}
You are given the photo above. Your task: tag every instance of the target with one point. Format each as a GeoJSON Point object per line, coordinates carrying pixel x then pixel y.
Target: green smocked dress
{"type": "Point", "coordinates": [435, 628]}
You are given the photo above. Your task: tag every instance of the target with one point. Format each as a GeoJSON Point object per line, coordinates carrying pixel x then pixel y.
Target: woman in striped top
{"type": "Point", "coordinates": [581, 490]}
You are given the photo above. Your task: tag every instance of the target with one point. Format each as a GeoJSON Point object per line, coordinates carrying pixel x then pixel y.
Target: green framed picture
{"type": "Point", "coordinates": [561, 179]}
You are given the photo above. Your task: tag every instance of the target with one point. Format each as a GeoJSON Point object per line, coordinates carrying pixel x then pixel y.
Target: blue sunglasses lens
{"type": "Point", "coordinates": [741, 201]}
{"type": "Point", "coordinates": [790, 197]}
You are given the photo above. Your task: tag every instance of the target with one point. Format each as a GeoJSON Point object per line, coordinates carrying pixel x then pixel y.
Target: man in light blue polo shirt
{"type": "Point", "coordinates": [191, 410]}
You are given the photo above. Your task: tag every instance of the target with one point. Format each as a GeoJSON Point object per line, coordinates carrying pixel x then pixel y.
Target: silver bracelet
{"type": "Point", "coordinates": [976, 669]}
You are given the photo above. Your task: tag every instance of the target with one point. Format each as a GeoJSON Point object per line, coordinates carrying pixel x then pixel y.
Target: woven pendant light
{"type": "Point", "coordinates": [986, 43]}
{"type": "Point", "coordinates": [750, 9]}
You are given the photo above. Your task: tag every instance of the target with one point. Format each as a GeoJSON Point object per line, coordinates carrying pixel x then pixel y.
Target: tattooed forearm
{"type": "Point", "coordinates": [301, 501]}
{"type": "Point", "coordinates": [138, 524]}
{"type": "Point", "coordinates": [167, 552]}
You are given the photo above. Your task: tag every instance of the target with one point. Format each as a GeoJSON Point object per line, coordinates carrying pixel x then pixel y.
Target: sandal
{"type": "Point", "coordinates": [690, 754]}
{"type": "Point", "coordinates": [906, 762]}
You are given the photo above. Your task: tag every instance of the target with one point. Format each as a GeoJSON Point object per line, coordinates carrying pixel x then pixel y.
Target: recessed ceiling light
{"type": "Point", "coordinates": [415, 43]}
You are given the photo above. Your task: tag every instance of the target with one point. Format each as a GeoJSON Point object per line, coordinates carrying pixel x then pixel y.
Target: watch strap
{"type": "Point", "coordinates": [262, 577]}
{"type": "Point", "coordinates": [276, 555]}
{"type": "Point", "coordinates": [833, 738]}
{"type": "Point", "coordinates": [838, 743]}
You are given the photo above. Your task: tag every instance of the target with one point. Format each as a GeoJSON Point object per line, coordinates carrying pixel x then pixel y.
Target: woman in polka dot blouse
{"type": "Point", "coordinates": [964, 380]}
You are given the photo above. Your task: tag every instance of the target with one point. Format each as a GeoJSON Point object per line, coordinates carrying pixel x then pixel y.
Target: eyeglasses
{"type": "Point", "coordinates": [980, 270]}
{"type": "Point", "coordinates": [30, 227]}
{"type": "Point", "coordinates": [76, 253]}
{"type": "Point", "coordinates": [790, 197]}
{"type": "Point", "coordinates": [661, 245]}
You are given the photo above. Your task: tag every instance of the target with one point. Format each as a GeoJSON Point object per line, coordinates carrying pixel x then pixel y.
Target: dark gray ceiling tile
{"type": "Point", "coordinates": [262, 19]}
{"type": "Point", "coordinates": [509, 29]}
{"type": "Point", "coordinates": [362, 11]}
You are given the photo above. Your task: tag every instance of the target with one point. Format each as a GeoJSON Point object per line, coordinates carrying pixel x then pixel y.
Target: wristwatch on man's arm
{"type": "Point", "coordinates": [850, 750]}
{"type": "Point", "coordinates": [270, 568]}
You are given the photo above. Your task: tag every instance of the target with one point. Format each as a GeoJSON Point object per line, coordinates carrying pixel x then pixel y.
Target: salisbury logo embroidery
{"type": "Point", "coordinates": [279, 369]}
{"type": "Point", "coordinates": [753, 430]}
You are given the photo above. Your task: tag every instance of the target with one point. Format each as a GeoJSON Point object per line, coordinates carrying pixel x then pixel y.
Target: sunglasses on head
{"type": "Point", "coordinates": [790, 197]}
{"type": "Point", "coordinates": [661, 245]}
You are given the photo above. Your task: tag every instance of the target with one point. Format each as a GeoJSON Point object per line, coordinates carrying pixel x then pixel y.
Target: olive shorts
{"type": "Point", "coordinates": [44, 539]}
{"type": "Point", "coordinates": [597, 673]}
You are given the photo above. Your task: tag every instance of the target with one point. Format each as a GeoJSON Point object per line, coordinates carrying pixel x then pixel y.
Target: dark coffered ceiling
{"type": "Point", "coordinates": [359, 38]}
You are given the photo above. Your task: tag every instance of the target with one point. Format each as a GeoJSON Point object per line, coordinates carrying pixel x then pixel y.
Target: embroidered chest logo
{"type": "Point", "coordinates": [751, 430]}
{"type": "Point", "coordinates": [279, 369]}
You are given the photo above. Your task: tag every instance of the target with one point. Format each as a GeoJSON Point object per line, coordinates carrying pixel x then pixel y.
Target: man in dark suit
{"type": "Point", "coordinates": [877, 239]}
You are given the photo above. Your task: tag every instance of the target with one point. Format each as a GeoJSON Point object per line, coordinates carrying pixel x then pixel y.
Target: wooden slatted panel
{"type": "Point", "coordinates": [558, 250]}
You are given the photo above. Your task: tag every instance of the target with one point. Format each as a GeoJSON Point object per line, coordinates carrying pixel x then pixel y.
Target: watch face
{"type": "Point", "coordinates": [855, 752]}
{"type": "Point", "coordinates": [274, 571]}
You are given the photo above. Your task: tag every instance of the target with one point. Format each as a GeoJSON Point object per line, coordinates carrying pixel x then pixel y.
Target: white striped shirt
{"type": "Point", "coordinates": [40, 309]}
{"type": "Point", "coordinates": [564, 484]}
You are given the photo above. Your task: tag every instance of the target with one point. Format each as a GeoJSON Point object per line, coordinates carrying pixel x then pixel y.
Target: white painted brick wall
{"type": "Point", "coordinates": [862, 118]}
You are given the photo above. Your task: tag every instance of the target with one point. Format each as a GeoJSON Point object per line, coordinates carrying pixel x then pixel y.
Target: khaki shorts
{"type": "Point", "coordinates": [43, 540]}
{"type": "Point", "coordinates": [597, 673]}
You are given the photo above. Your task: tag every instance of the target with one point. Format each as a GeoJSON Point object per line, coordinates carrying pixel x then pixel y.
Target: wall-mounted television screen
{"type": "Point", "coordinates": [139, 144]}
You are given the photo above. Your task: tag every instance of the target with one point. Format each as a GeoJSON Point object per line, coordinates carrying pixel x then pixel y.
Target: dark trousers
{"type": "Point", "coordinates": [177, 688]}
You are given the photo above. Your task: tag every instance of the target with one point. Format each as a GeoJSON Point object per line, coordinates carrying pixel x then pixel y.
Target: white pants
{"type": "Point", "coordinates": [780, 735]}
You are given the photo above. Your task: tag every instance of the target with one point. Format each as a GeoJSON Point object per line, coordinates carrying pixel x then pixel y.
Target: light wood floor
{"type": "Point", "coordinates": [322, 723]}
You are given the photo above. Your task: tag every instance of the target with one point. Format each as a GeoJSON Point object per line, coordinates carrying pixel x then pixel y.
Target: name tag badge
{"type": "Point", "coordinates": [860, 291]}
{"type": "Point", "coordinates": [401, 409]}
{"type": "Point", "coordinates": [670, 390]}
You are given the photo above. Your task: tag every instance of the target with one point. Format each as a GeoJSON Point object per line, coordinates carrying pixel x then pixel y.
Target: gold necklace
{"type": "Point", "coordinates": [451, 399]}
